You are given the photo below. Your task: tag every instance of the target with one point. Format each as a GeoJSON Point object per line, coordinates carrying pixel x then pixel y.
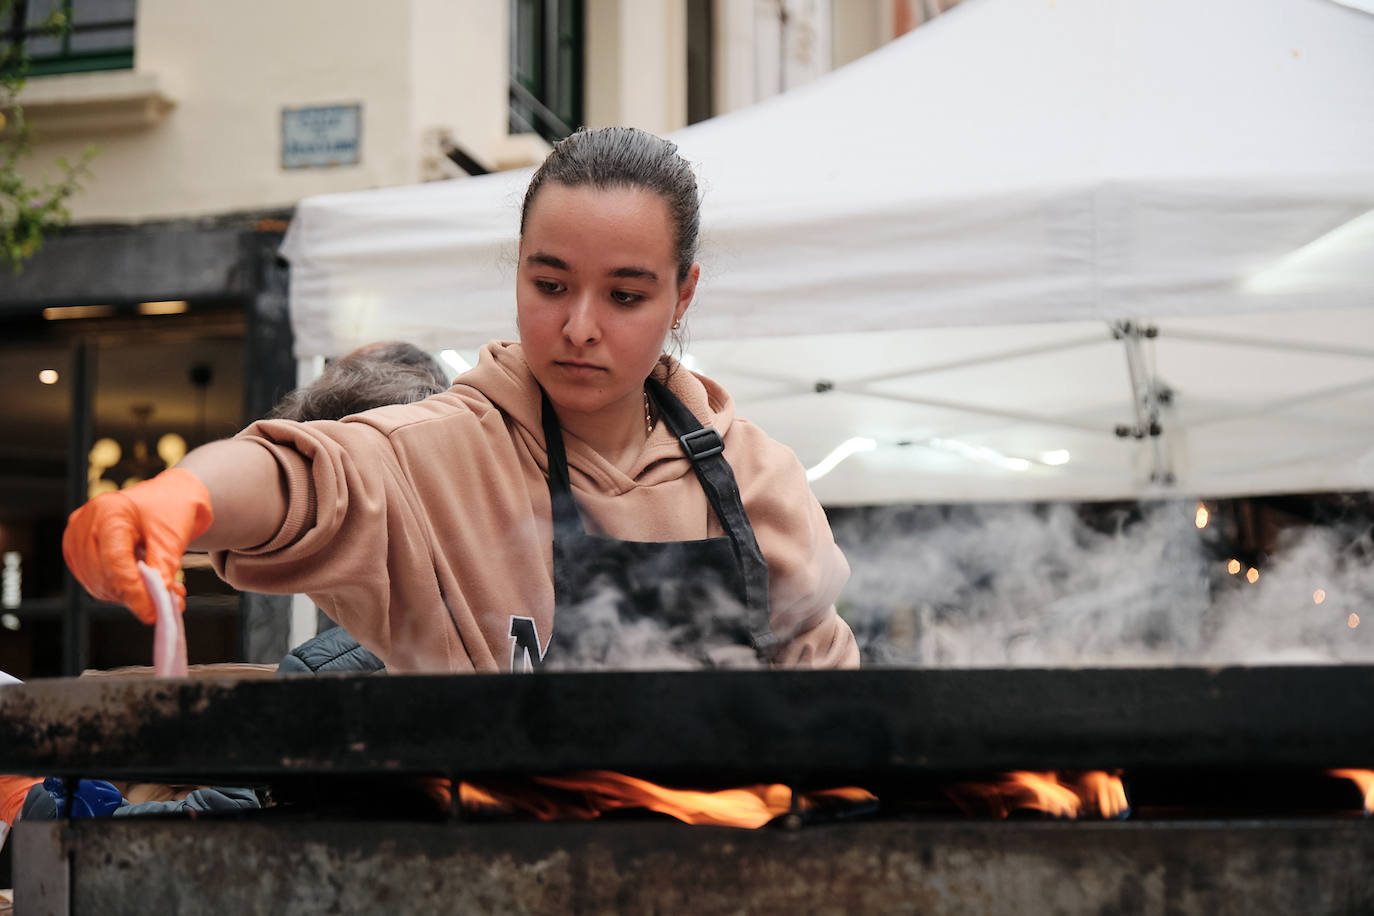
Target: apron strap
{"type": "Point", "coordinates": [566, 519]}
{"type": "Point", "coordinates": [705, 448]}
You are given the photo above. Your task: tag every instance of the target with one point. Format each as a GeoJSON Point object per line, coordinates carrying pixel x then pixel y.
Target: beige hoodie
{"type": "Point", "coordinates": [425, 528]}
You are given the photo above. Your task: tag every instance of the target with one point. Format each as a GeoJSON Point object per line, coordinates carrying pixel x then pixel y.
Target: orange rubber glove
{"type": "Point", "coordinates": [13, 791]}
{"type": "Point", "coordinates": [153, 521]}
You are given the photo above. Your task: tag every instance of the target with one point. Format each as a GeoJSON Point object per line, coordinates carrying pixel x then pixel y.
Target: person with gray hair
{"type": "Point", "coordinates": [374, 375]}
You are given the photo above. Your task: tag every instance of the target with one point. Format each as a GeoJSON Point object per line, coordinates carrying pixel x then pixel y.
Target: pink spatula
{"type": "Point", "coordinates": [169, 635]}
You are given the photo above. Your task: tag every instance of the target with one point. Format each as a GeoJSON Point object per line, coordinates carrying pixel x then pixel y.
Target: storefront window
{"type": "Point", "coordinates": [161, 391]}
{"type": "Point", "coordinates": [155, 386]}
{"type": "Point", "coordinates": [35, 418]}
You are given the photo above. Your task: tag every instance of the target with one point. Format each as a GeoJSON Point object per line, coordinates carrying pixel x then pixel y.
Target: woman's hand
{"type": "Point", "coordinates": [154, 521]}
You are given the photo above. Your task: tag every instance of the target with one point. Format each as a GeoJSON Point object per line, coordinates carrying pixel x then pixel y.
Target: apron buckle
{"type": "Point", "coordinates": [702, 443]}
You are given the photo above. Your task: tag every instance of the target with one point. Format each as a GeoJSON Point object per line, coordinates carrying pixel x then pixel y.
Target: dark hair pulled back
{"type": "Point", "coordinates": [626, 157]}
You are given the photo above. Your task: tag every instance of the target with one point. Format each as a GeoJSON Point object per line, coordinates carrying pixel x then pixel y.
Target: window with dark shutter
{"type": "Point", "coordinates": [69, 36]}
{"type": "Point", "coordinates": [546, 60]}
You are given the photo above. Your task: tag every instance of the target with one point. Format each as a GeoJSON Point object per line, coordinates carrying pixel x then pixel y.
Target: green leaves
{"type": "Point", "coordinates": [30, 209]}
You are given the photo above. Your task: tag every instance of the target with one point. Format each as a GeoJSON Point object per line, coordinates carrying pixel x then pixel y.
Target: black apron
{"type": "Point", "coordinates": [690, 598]}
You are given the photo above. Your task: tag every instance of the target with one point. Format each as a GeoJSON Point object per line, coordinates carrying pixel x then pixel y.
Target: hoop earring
{"type": "Point", "coordinates": [676, 325]}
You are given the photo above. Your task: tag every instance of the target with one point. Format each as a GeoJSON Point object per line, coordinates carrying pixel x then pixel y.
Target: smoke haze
{"type": "Point", "coordinates": [1023, 586]}
{"type": "Point", "coordinates": [1054, 585]}
{"type": "Point", "coordinates": [703, 626]}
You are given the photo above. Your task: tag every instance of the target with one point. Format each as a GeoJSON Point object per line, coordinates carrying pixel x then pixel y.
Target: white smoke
{"type": "Point", "coordinates": [707, 629]}
{"type": "Point", "coordinates": [1035, 586]}
{"type": "Point", "coordinates": [1300, 609]}
{"type": "Point", "coordinates": [997, 586]}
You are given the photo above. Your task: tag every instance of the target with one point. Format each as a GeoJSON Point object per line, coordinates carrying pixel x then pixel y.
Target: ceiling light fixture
{"type": "Point", "coordinates": [980, 453]}
{"type": "Point", "coordinates": [170, 307]}
{"type": "Point", "coordinates": [841, 452]}
{"type": "Point", "coordinates": [64, 312]}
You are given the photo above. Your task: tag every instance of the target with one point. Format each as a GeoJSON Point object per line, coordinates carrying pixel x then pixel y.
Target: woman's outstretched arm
{"type": "Point", "coordinates": [247, 493]}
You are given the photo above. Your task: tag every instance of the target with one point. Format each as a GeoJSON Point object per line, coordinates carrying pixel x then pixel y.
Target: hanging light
{"type": "Point", "coordinates": [171, 448]}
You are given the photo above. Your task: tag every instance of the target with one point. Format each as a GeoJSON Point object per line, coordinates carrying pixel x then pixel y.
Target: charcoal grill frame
{"type": "Point", "coordinates": [797, 726]}
{"type": "Point", "coordinates": [308, 867]}
{"type": "Point", "coordinates": [869, 727]}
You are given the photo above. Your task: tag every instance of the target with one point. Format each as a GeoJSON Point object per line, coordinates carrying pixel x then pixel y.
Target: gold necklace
{"type": "Point", "coordinates": [648, 417]}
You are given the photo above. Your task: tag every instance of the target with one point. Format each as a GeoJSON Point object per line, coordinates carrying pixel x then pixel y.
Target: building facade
{"type": "Point", "coordinates": [159, 320]}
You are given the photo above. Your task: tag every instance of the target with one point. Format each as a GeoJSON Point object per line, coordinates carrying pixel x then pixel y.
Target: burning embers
{"type": "Point", "coordinates": [587, 795]}
{"type": "Point", "coordinates": [590, 794]}
{"type": "Point", "coordinates": [1093, 793]}
{"type": "Point", "coordinates": [1080, 794]}
{"type": "Point", "coordinates": [1364, 779]}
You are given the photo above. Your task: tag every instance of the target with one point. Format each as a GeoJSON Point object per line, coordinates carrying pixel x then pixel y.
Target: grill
{"type": "Point", "coordinates": [1226, 769]}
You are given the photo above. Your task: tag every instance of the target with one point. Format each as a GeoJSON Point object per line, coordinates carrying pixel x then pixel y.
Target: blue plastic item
{"type": "Point", "coordinates": [93, 797]}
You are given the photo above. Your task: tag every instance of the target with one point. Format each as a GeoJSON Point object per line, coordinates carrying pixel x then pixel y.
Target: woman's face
{"type": "Point", "coordinates": [596, 293]}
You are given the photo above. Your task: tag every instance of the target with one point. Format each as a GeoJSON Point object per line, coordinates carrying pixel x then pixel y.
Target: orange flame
{"type": "Point", "coordinates": [1096, 792]}
{"type": "Point", "coordinates": [1042, 792]}
{"type": "Point", "coordinates": [590, 794]}
{"type": "Point", "coordinates": [1103, 793]}
{"type": "Point", "coordinates": [849, 795]}
{"type": "Point", "coordinates": [746, 806]}
{"type": "Point", "coordinates": [1364, 779]}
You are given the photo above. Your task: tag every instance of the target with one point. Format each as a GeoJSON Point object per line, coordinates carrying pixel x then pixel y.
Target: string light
{"type": "Point", "coordinates": [1201, 516]}
{"type": "Point", "coordinates": [1252, 575]}
{"type": "Point", "coordinates": [1352, 621]}
{"type": "Point", "coordinates": [1319, 596]}
{"type": "Point", "coordinates": [48, 376]}
{"type": "Point", "coordinates": [1233, 566]}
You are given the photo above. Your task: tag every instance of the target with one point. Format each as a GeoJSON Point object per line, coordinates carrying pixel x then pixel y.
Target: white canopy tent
{"type": "Point", "coordinates": [987, 251]}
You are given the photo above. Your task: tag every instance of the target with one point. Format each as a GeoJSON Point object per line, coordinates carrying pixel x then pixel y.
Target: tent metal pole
{"type": "Point", "coordinates": [1145, 400]}
{"type": "Point", "coordinates": [983, 359]}
{"type": "Point", "coordinates": [1350, 445]}
{"type": "Point", "coordinates": [1282, 404]}
{"type": "Point", "coordinates": [797, 387]}
{"type": "Point", "coordinates": [1286, 346]}
{"type": "Point", "coordinates": [1017, 415]}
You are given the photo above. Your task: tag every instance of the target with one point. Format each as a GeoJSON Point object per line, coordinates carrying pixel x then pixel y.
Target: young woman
{"type": "Point", "coordinates": [573, 492]}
